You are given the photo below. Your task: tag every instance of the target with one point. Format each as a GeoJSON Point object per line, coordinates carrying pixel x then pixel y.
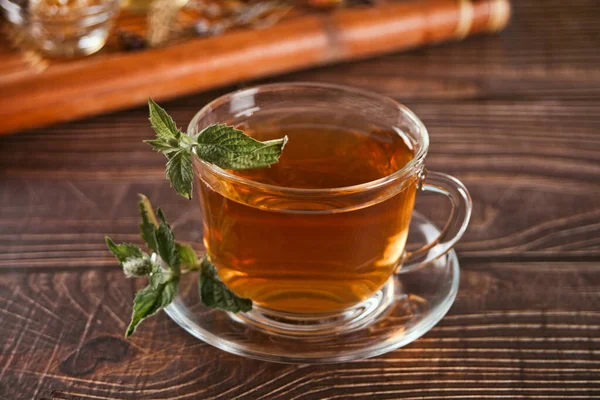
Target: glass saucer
{"type": "Point", "coordinates": [408, 305]}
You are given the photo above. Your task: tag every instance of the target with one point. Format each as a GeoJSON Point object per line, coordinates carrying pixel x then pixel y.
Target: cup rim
{"type": "Point", "coordinates": [401, 173]}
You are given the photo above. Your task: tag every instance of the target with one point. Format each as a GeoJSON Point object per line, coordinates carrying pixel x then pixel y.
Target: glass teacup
{"type": "Point", "coordinates": [318, 241]}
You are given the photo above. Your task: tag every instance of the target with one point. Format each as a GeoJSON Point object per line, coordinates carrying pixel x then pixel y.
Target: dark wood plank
{"type": "Point", "coordinates": [507, 335]}
{"type": "Point", "coordinates": [532, 168]}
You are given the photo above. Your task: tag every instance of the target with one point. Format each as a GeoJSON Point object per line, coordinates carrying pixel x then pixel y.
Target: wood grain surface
{"type": "Point", "coordinates": [504, 337]}
{"type": "Point", "coordinates": [515, 116]}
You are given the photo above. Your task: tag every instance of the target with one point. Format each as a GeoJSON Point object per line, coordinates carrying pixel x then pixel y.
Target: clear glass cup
{"type": "Point", "coordinates": [64, 28]}
{"type": "Point", "coordinates": [239, 213]}
{"type": "Point", "coordinates": [15, 11]}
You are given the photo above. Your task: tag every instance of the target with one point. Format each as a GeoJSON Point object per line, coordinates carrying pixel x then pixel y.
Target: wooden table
{"type": "Point", "coordinates": [515, 116]}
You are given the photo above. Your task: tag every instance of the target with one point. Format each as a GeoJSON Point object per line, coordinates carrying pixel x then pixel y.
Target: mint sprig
{"type": "Point", "coordinates": [218, 144]}
{"type": "Point", "coordinates": [163, 283]}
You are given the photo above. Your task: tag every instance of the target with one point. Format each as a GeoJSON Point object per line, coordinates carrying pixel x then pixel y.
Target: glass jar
{"type": "Point", "coordinates": [63, 28]}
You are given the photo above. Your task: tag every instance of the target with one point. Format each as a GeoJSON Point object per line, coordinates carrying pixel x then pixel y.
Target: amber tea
{"type": "Point", "coordinates": [309, 262]}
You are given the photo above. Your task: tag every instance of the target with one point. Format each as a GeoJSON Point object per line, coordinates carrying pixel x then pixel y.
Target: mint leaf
{"type": "Point", "coordinates": [161, 215]}
{"type": "Point", "coordinates": [135, 267]}
{"type": "Point", "coordinates": [124, 251]}
{"type": "Point", "coordinates": [187, 256]}
{"type": "Point", "coordinates": [219, 144]}
{"type": "Point", "coordinates": [150, 300]}
{"type": "Point", "coordinates": [163, 146]}
{"type": "Point", "coordinates": [149, 223]}
{"type": "Point", "coordinates": [230, 148]}
{"type": "Point", "coordinates": [215, 294]}
{"type": "Point", "coordinates": [181, 172]}
{"type": "Point", "coordinates": [162, 123]}
{"type": "Point", "coordinates": [167, 249]}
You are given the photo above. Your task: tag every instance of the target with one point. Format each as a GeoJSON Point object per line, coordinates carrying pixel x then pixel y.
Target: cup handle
{"type": "Point", "coordinates": [456, 226]}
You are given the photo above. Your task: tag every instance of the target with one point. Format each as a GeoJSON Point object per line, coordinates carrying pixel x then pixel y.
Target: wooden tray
{"type": "Point", "coordinates": [36, 91]}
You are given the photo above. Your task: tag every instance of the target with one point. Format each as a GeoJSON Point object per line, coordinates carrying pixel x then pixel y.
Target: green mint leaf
{"type": "Point", "coordinates": [181, 172]}
{"type": "Point", "coordinates": [150, 300]}
{"type": "Point", "coordinates": [135, 267]}
{"type": "Point", "coordinates": [215, 294]}
{"type": "Point", "coordinates": [219, 144]}
{"type": "Point", "coordinates": [149, 223]}
{"type": "Point", "coordinates": [163, 146]}
{"type": "Point", "coordinates": [167, 248]}
{"type": "Point", "coordinates": [187, 256]}
{"type": "Point", "coordinates": [162, 123]}
{"type": "Point", "coordinates": [161, 215]}
{"type": "Point", "coordinates": [124, 251]}
{"type": "Point", "coordinates": [230, 148]}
